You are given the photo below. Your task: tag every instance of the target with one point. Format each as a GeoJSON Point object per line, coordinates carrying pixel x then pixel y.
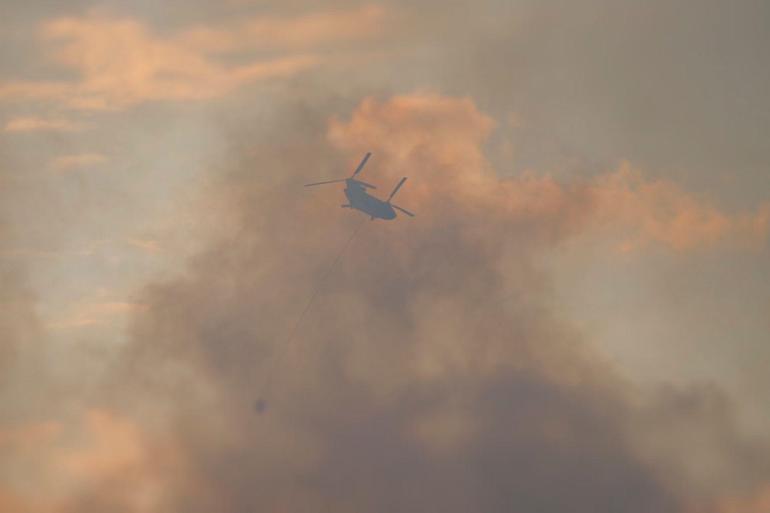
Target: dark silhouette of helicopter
{"type": "Point", "coordinates": [359, 199]}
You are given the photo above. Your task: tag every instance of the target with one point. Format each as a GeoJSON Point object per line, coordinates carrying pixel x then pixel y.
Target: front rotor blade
{"type": "Point", "coordinates": [405, 211]}
{"type": "Point", "coordinates": [361, 165]}
{"type": "Point", "coordinates": [322, 183]}
{"type": "Point", "coordinates": [396, 189]}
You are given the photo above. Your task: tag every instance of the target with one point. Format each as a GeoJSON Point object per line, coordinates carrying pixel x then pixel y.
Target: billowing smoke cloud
{"type": "Point", "coordinates": [430, 375]}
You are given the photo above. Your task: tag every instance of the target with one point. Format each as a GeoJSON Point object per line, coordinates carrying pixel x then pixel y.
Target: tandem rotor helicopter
{"type": "Point", "coordinates": [359, 199]}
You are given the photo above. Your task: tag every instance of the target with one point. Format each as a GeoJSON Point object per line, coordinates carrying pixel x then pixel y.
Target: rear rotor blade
{"type": "Point", "coordinates": [405, 211]}
{"type": "Point", "coordinates": [396, 189]}
{"type": "Point", "coordinates": [322, 183]}
{"type": "Point", "coordinates": [361, 165]}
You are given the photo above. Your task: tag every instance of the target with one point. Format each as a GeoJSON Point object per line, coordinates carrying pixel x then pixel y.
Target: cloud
{"type": "Point", "coordinates": [121, 62]}
{"type": "Point", "coordinates": [659, 211]}
{"type": "Point", "coordinates": [25, 90]}
{"type": "Point", "coordinates": [77, 161]}
{"type": "Point", "coordinates": [35, 124]}
{"type": "Point", "coordinates": [638, 211]}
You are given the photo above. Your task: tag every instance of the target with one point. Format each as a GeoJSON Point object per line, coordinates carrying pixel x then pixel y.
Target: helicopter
{"type": "Point", "coordinates": [359, 199]}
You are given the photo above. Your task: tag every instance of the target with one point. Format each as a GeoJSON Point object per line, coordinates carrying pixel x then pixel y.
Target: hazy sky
{"type": "Point", "coordinates": [577, 319]}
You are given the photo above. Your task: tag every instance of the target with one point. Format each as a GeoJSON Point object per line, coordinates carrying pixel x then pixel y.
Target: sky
{"type": "Point", "coordinates": [576, 319]}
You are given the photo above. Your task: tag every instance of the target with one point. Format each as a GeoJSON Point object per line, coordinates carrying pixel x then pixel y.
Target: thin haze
{"type": "Point", "coordinates": [576, 320]}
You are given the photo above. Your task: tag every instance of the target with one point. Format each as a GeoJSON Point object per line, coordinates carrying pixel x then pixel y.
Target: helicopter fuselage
{"type": "Point", "coordinates": [359, 199]}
